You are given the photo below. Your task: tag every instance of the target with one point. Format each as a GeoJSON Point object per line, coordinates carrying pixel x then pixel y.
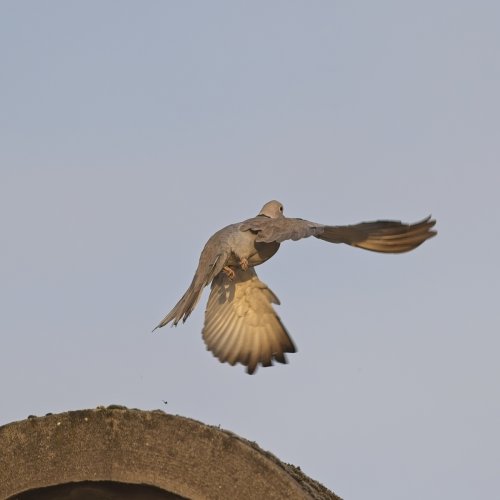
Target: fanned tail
{"type": "Point", "coordinates": [241, 326]}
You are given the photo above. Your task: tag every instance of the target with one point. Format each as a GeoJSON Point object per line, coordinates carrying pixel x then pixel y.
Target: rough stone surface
{"type": "Point", "coordinates": [118, 445]}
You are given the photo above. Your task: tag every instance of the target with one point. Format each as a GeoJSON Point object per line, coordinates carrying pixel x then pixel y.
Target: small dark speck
{"type": "Point", "coordinates": [31, 416]}
{"type": "Point", "coordinates": [165, 402]}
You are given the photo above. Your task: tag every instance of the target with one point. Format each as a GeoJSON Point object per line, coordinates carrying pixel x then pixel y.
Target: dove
{"type": "Point", "coordinates": [241, 325]}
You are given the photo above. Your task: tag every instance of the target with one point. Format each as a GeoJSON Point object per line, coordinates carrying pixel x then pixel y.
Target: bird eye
{"type": "Point", "coordinates": [281, 209]}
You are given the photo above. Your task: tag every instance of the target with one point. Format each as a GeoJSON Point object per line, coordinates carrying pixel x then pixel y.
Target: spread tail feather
{"type": "Point", "coordinates": [241, 325]}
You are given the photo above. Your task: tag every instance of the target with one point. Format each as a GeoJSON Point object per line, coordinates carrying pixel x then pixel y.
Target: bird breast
{"type": "Point", "coordinates": [244, 246]}
{"type": "Point", "coordinates": [264, 251]}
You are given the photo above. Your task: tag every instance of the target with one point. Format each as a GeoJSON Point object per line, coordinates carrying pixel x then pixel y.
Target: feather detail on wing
{"type": "Point", "coordinates": [384, 236]}
{"type": "Point", "coordinates": [241, 325]}
{"type": "Point", "coordinates": [207, 270]}
{"type": "Point", "coordinates": [381, 236]}
{"type": "Point", "coordinates": [280, 229]}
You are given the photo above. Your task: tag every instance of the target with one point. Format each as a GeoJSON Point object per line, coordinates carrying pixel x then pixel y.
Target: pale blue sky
{"type": "Point", "coordinates": [131, 131]}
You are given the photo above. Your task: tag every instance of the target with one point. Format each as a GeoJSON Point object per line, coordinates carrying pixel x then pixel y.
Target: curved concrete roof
{"type": "Point", "coordinates": [175, 456]}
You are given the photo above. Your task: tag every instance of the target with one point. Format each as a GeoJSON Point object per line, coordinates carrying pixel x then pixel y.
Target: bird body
{"type": "Point", "coordinates": [240, 322]}
{"type": "Point", "coordinates": [239, 243]}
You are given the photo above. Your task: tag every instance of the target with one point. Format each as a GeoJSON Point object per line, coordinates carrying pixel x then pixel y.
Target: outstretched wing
{"type": "Point", "coordinates": [212, 260]}
{"type": "Point", "coordinates": [280, 229]}
{"type": "Point", "coordinates": [379, 236]}
{"type": "Point", "coordinates": [241, 325]}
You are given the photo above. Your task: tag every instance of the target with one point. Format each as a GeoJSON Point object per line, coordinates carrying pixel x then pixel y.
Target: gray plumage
{"type": "Point", "coordinates": [240, 322]}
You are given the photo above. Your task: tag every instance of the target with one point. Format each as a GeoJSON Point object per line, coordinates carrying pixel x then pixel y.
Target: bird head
{"type": "Point", "coordinates": [272, 209]}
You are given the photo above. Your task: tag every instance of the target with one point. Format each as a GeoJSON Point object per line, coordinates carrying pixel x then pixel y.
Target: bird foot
{"type": "Point", "coordinates": [244, 263]}
{"type": "Point", "coordinates": [229, 272]}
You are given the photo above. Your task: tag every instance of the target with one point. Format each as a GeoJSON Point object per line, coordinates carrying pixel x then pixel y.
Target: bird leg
{"type": "Point", "coordinates": [244, 263]}
{"type": "Point", "coordinates": [229, 272]}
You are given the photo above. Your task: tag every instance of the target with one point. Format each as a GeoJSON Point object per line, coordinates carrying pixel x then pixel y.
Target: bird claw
{"type": "Point", "coordinates": [244, 263]}
{"type": "Point", "coordinates": [229, 272]}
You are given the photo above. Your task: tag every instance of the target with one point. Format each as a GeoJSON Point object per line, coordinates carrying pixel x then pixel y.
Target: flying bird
{"type": "Point", "coordinates": [241, 325]}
